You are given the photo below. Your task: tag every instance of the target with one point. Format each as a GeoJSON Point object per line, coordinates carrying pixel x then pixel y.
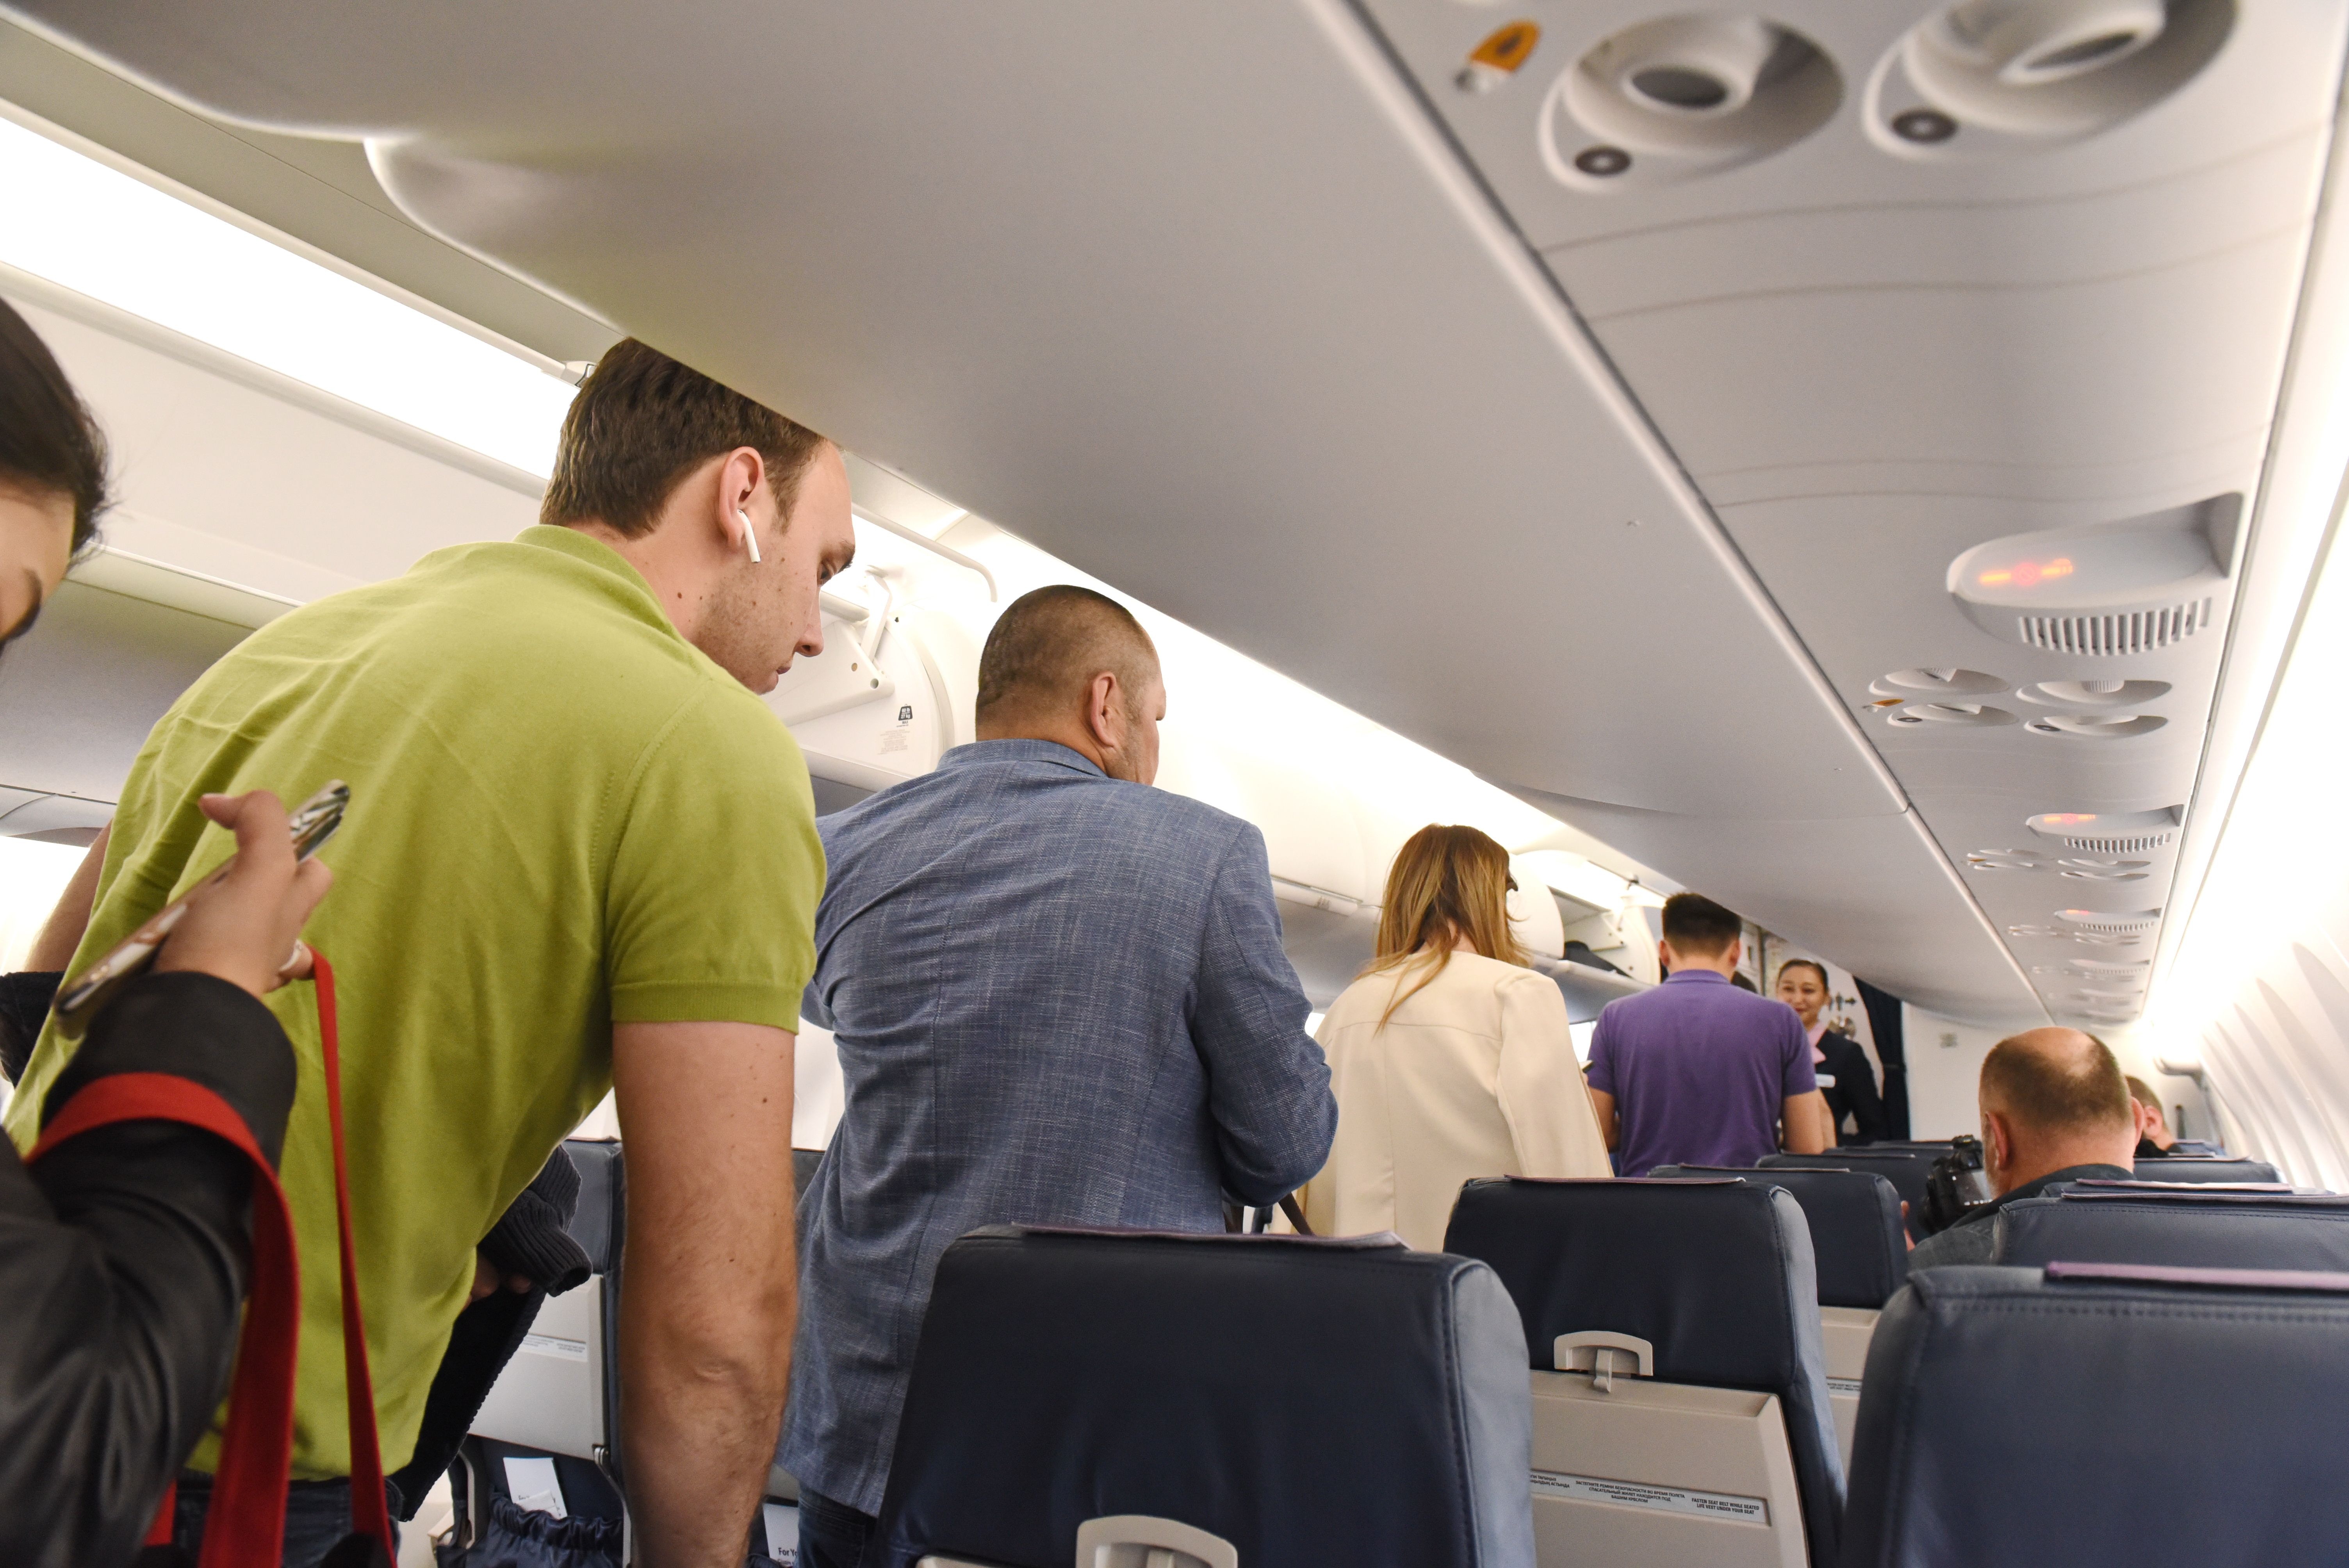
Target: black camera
{"type": "Point", "coordinates": [1955, 1187]}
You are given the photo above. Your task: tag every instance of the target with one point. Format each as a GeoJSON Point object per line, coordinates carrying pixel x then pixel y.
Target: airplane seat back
{"type": "Point", "coordinates": [560, 1394]}
{"type": "Point", "coordinates": [2189, 1230]}
{"type": "Point", "coordinates": [1862, 1255]}
{"type": "Point", "coordinates": [2198, 1168]}
{"type": "Point", "coordinates": [1906, 1169]}
{"type": "Point", "coordinates": [1251, 1400]}
{"type": "Point", "coordinates": [1706, 1290]}
{"type": "Point", "coordinates": [2105, 1413]}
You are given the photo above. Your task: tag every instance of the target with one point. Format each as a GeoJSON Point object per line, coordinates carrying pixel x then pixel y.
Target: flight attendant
{"type": "Point", "coordinates": [1803, 986]}
{"type": "Point", "coordinates": [1449, 1058]}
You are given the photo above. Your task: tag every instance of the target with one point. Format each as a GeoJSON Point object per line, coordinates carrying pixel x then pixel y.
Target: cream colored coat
{"type": "Point", "coordinates": [1474, 1075]}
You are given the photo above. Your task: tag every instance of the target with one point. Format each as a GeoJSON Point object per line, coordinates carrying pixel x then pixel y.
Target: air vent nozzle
{"type": "Point", "coordinates": [2132, 923]}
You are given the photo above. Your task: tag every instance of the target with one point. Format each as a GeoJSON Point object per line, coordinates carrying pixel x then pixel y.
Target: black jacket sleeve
{"type": "Point", "coordinates": [122, 1266]}
{"type": "Point", "coordinates": [1855, 1092]}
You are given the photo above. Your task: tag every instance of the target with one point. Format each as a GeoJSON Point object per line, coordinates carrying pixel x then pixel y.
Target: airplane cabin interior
{"type": "Point", "coordinates": [1875, 465]}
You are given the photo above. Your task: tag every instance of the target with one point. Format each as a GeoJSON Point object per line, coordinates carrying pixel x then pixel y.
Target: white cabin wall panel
{"type": "Point", "coordinates": [2320, 1074]}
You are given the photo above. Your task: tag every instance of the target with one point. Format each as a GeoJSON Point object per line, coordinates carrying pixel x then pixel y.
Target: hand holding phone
{"type": "Point", "coordinates": [243, 922]}
{"type": "Point", "coordinates": [243, 926]}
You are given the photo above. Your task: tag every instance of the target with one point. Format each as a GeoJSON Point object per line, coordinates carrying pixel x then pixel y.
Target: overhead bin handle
{"type": "Point", "coordinates": [1602, 1353]}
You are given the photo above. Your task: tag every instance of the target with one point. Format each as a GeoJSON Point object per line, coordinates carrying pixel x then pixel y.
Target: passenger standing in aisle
{"type": "Point", "coordinates": [1698, 1071]}
{"type": "Point", "coordinates": [1058, 999]}
{"type": "Point", "coordinates": [579, 854]}
{"type": "Point", "coordinates": [1451, 1059]}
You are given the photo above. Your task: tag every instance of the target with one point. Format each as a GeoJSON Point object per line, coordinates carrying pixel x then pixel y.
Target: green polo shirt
{"type": "Point", "coordinates": [562, 816]}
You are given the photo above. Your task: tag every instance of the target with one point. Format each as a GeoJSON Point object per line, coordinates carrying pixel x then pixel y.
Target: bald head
{"type": "Point", "coordinates": [2053, 1099]}
{"type": "Point", "coordinates": [1069, 665]}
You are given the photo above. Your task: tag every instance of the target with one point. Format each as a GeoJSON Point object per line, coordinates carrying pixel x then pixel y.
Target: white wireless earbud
{"type": "Point", "coordinates": [750, 534]}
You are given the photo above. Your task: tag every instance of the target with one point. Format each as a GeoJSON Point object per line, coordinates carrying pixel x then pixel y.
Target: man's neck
{"type": "Point", "coordinates": [1072, 736]}
{"type": "Point", "coordinates": [680, 586]}
{"type": "Point", "coordinates": [2049, 1164]}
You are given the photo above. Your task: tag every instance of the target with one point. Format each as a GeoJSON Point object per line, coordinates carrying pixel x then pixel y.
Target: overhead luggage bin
{"type": "Point", "coordinates": [1681, 1407]}
{"type": "Point", "coordinates": [1229, 1401]}
{"type": "Point", "coordinates": [2106, 1413]}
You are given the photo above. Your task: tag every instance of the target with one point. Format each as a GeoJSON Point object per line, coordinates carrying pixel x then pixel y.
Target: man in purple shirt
{"type": "Point", "coordinates": [1699, 1071]}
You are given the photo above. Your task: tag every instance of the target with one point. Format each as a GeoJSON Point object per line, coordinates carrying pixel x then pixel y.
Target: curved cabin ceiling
{"type": "Point", "coordinates": [1613, 431]}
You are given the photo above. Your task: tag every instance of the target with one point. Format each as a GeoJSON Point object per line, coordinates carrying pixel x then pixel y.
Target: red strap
{"type": "Point", "coordinates": [246, 1523]}
{"type": "Point", "coordinates": [370, 1515]}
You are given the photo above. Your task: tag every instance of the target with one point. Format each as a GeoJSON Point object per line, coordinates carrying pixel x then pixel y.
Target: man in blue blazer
{"type": "Point", "coordinates": [1058, 999]}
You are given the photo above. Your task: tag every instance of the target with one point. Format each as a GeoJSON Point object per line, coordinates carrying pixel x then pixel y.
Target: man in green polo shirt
{"type": "Point", "coordinates": [579, 854]}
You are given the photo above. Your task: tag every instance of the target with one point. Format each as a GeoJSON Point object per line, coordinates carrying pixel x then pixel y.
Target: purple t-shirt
{"type": "Point", "coordinates": [1698, 1067]}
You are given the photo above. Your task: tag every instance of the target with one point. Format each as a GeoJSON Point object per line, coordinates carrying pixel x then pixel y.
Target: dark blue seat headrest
{"type": "Point", "coordinates": [1308, 1402]}
{"type": "Point", "coordinates": [1856, 1228]}
{"type": "Point", "coordinates": [595, 1224]}
{"type": "Point", "coordinates": [2103, 1414]}
{"type": "Point", "coordinates": [2157, 1229]}
{"type": "Point", "coordinates": [2195, 1168]}
{"type": "Point", "coordinates": [1906, 1169]}
{"type": "Point", "coordinates": [1718, 1276]}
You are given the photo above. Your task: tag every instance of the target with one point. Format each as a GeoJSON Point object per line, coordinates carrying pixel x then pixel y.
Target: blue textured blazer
{"type": "Point", "coordinates": [1059, 999]}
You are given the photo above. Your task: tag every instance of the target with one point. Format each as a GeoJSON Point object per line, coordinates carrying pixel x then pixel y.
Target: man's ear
{"type": "Point", "coordinates": [1998, 1142]}
{"type": "Point", "coordinates": [1101, 710]}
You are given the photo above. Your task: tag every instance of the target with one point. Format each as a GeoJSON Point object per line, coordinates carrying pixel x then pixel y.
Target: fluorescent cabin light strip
{"type": "Point", "coordinates": [83, 225]}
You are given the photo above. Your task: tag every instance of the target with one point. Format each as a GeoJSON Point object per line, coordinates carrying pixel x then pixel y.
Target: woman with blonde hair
{"type": "Point", "coordinates": [1449, 1058]}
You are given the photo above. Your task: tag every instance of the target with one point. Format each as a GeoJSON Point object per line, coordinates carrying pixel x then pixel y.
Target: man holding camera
{"type": "Point", "coordinates": [2054, 1109]}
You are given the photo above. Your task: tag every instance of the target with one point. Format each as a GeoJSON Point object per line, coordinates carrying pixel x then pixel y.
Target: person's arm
{"type": "Point", "coordinates": [707, 1281]}
{"type": "Point", "coordinates": [1552, 1123]}
{"type": "Point", "coordinates": [1267, 1082]}
{"type": "Point", "coordinates": [124, 1251]}
{"type": "Point", "coordinates": [1804, 1121]}
{"type": "Point", "coordinates": [1599, 1082]}
{"type": "Point", "coordinates": [1610, 1128]}
{"type": "Point", "coordinates": [61, 932]}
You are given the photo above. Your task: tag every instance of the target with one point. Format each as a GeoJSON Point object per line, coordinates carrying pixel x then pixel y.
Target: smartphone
{"type": "Point", "coordinates": [313, 823]}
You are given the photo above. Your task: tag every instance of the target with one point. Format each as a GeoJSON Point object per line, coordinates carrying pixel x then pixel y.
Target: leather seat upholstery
{"type": "Point", "coordinates": [2195, 1229]}
{"type": "Point", "coordinates": [1718, 1276]}
{"type": "Point", "coordinates": [1307, 1400]}
{"type": "Point", "coordinates": [1906, 1169]}
{"type": "Point", "coordinates": [2190, 1168]}
{"type": "Point", "coordinates": [2161, 1416]}
{"type": "Point", "coordinates": [1855, 1227]}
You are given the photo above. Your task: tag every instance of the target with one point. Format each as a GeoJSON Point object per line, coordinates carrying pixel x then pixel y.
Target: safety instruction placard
{"type": "Point", "coordinates": [1664, 1498]}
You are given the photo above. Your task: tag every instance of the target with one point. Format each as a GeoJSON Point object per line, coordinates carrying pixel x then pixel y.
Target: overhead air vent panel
{"type": "Point", "coordinates": [2104, 590]}
{"type": "Point", "coordinates": [2108, 832]}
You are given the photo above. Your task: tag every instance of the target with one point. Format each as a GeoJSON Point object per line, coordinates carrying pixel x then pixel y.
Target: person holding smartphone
{"type": "Point", "coordinates": [123, 1251]}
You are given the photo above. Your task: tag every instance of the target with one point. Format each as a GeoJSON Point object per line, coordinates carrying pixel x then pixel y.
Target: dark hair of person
{"type": "Point", "coordinates": [1049, 645]}
{"type": "Point", "coordinates": [1695, 925]}
{"type": "Point", "coordinates": [48, 442]}
{"type": "Point", "coordinates": [642, 422]}
{"type": "Point", "coordinates": [2056, 1090]}
{"type": "Point", "coordinates": [1814, 965]}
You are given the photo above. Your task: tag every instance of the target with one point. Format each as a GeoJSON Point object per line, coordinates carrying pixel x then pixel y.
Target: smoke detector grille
{"type": "Point", "coordinates": [2108, 832]}
{"type": "Point", "coordinates": [2098, 636]}
{"type": "Point", "coordinates": [2136, 923]}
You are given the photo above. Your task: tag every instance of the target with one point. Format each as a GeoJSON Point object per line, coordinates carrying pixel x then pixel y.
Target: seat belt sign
{"type": "Point", "coordinates": [1663, 1499]}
